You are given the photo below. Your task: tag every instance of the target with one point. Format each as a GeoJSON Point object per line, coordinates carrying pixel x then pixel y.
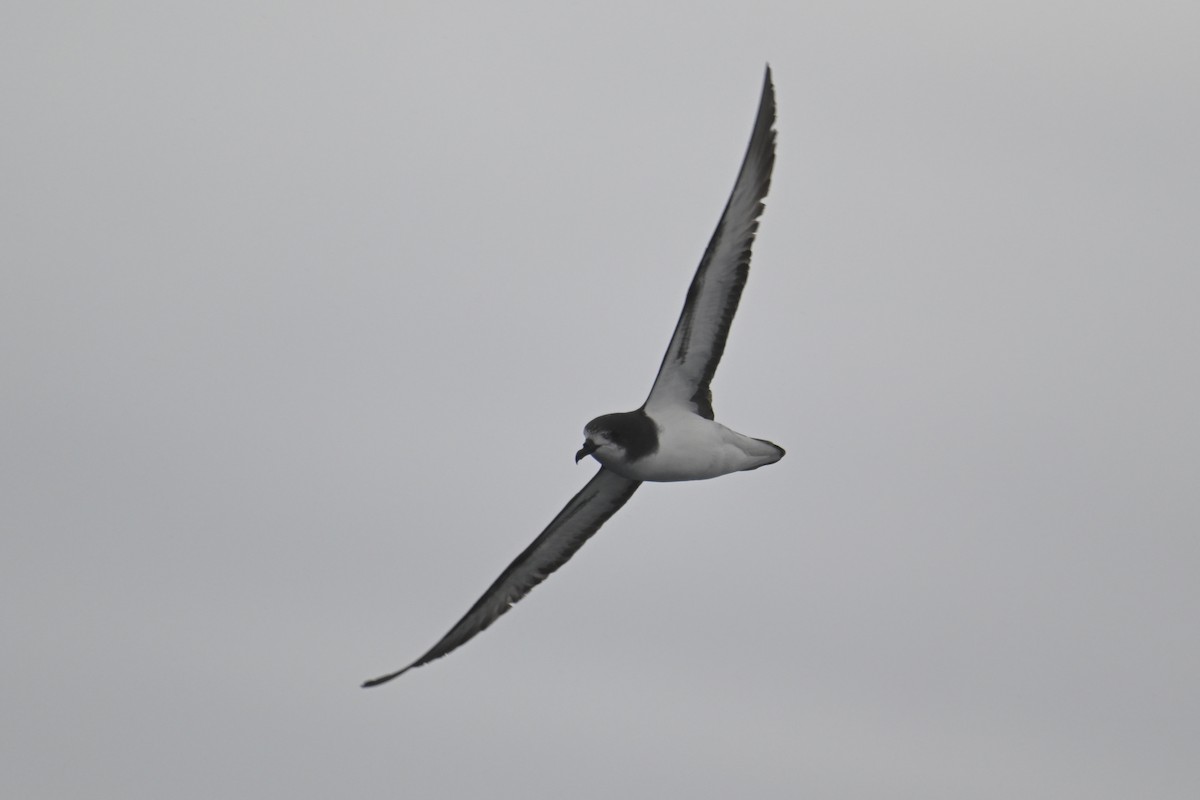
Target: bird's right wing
{"type": "Point", "coordinates": [574, 525]}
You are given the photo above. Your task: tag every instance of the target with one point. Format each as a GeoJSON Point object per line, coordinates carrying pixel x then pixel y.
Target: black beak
{"type": "Point", "coordinates": [588, 448]}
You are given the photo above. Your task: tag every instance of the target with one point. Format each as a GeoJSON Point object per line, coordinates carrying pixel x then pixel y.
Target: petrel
{"type": "Point", "coordinates": [673, 435]}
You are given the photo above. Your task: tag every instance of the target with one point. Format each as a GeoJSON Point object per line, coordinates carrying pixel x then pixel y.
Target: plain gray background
{"type": "Point", "coordinates": [305, 305]}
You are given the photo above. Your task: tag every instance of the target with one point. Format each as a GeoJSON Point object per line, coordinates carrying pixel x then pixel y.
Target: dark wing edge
{"type": "Point", "coordinates": [691, 359]}
{"type": "Point", "coordinates": [580, 518]}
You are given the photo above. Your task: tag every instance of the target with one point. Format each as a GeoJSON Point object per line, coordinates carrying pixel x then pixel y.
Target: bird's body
{"type": "Point", "coordinates": [673, 436]}
{"type": "Point", "coordinates": [687, 447]}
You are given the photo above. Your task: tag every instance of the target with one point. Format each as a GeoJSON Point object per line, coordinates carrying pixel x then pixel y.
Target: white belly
{"type": "Point", "coordinates": [692, 448]}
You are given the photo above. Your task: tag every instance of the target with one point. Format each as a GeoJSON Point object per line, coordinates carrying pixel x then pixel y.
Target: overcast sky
{"type": "Point", "coordinates": [304, 306]}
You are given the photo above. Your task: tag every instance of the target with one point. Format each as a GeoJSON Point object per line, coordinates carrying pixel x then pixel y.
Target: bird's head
{"type": "Point", "coordinates": [601, 442]}
{"type": "Point", "coordinates": [616, 439]}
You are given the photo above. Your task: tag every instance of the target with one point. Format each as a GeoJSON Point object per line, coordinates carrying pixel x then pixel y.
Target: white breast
{"type": "Point", "coordinates": [692, 448]}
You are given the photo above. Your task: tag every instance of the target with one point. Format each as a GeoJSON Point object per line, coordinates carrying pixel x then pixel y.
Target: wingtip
{"type": "Point", "coordinates": [769, 88]}
{"type": "Point", "coordinates": [382, 679]}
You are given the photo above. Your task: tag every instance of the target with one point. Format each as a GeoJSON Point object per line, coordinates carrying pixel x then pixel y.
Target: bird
{"type": "Point", "coordinates": [673, 435]}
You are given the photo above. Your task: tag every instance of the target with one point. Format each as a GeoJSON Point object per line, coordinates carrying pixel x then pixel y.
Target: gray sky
{"type": "Point", "coordinates": [305, 305]}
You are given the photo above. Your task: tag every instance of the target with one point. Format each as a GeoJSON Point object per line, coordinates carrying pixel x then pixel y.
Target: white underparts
{"type": "Point", "coordinates": [692, 448]}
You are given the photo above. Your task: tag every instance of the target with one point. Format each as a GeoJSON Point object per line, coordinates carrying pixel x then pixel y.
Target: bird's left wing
{"type": "Point", "coordinates": [574, 525]}
{"type": "Point", "coordinates": [712, 299]}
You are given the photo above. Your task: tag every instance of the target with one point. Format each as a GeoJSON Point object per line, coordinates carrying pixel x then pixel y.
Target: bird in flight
{"type": "Point", "coordinates": [672, 436]}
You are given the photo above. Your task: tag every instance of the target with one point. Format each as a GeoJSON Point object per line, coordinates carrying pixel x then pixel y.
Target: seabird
{"type": "Point", "coordinates": [673, 435]}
